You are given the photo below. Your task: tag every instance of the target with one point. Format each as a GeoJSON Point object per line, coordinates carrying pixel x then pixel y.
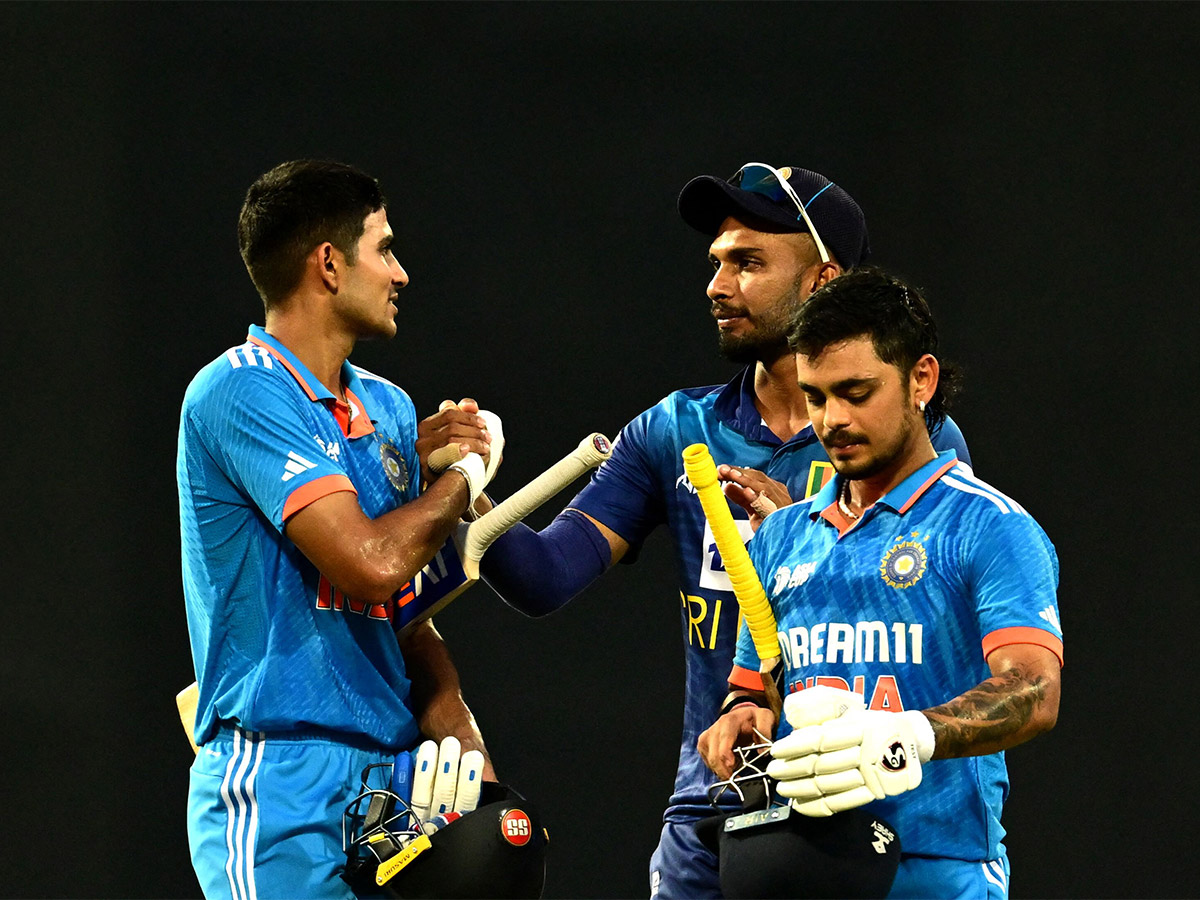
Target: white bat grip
{"type": "Point", "coordinates": [592, 450]}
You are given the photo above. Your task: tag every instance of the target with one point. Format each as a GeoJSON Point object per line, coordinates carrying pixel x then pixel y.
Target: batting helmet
{"type": "Point", "coordinates": [779, 853]}
{"type": "Point", "coordinates": [498, 850]}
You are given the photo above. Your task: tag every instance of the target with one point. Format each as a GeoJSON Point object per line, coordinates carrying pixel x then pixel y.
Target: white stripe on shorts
{"type": "Point", "coordinates": [993, 871]}
{"type": "Point", "coordinates": [241, 808]}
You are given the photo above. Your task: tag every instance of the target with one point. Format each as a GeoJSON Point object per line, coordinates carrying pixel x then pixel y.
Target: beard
{"type": "Point", "coordinates": [762, 344]}
{"type": "Point", "coordinates": [768, 338]}
{"type": "Point", "coordinates": [883, 456]}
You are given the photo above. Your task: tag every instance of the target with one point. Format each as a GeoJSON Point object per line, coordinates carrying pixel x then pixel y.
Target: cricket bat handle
{"type": "Point", "coordinates": [702, 473]}
{"type": "Point", "coordinates": [592, 450]}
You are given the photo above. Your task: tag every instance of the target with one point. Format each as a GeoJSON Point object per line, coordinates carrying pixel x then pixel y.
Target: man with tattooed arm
{"type": "Point", "coordinates": [915, 605]}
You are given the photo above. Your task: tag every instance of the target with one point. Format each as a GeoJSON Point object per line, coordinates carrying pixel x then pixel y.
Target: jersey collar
{"type": "Point", "coordinates": [354, 417]}
{"type": "Point", "coordinates": [899, 499]}
{"type": "Point", "coordinates": [736, 408]}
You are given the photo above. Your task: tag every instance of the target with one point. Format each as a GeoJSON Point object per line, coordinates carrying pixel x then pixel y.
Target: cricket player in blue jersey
{"type": "Point", "coordinates": [301, 517]}
{"type": "Point", "coordinates": [776, 236]}
{"type": "Point", "coordinates": [915, 606]}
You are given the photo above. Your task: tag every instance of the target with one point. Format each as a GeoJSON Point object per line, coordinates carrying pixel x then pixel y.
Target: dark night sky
{"type": "Point", "coordinates": [1031, 166]}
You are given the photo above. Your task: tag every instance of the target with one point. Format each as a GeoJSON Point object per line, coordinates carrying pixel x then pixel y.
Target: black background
{"type": "Point", "coordinates": [1031, 166]}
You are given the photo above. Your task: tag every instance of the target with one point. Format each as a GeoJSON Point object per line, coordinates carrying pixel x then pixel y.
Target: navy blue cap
{"type": "Point", "coordinates": [706, 201]}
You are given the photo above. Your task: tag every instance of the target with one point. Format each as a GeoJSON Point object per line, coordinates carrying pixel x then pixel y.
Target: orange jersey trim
{"type": "Point", "coordinates": [352, 426]}
{"type": "Point", "coordinates": [315, 490]}
{"type": "Point", "coordinates": [833, 515]}
{"type": "Point", "coordinates": [283, 362]}
{"type": "Point", "coordinates": [360, 422]}
{"type": "Point", "coordinates": [746, 678]}
{"type": "Point", "coordinates": [1022, 635]}
{"type": "Point", "coordinates": [942, 470]}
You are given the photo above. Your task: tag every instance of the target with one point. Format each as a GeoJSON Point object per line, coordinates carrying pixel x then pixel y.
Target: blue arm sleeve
{"type": "Point", "coordinates": [536, 572]}
{"type": "Point", "coordinates": [626, 492]}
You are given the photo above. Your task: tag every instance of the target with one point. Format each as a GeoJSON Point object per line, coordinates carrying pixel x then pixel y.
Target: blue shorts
{"type": "Point", "coordinates": [265, 814]}
{"type": "Point", "coordinates": [930, 877]}
{"type": "Point", "coordinates": [682, 867]}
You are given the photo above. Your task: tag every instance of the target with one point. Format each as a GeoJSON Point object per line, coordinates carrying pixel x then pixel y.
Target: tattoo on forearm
{"type": "Point", "coordinates": [987, 717]}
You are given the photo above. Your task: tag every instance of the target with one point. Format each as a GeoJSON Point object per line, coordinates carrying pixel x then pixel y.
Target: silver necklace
{"type": "Point", "coordinates": [843, 496]}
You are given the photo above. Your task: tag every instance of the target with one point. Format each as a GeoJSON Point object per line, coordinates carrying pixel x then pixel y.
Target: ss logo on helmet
{"type": "Point", "coordinates": [516, 828]}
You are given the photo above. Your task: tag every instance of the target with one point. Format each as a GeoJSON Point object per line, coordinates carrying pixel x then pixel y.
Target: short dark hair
{"type": "Point", "coordinates": [868, 302]}
{"type": "Point", "coordinates": [293, 208]}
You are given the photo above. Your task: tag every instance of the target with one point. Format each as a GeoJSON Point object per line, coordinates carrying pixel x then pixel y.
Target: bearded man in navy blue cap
{"type": "Point", "coordinates": [776, 235]}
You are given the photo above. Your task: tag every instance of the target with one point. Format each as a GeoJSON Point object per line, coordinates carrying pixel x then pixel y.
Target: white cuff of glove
{"type": "Point", "coordinates": [471, 467]}
{"type": "Point", "coordinates": [923, 731]}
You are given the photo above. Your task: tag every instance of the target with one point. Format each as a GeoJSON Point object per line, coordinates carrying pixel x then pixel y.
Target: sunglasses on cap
{"type": "Point", "coordinates": [759, 178]}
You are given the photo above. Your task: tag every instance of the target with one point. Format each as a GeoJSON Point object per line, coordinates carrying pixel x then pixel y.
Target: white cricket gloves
{"type": "Point", "coordinates": [841, 755]}
{"type": "Point", "coordinates": [445, 780]}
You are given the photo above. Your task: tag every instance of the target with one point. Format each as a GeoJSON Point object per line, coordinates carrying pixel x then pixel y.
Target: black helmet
{"type": "Point", "coordinates": [497, 850]}
{"type": "Point", "coordinates": [768, 850]}
{"type": "Point", "coordinates": [779, 853]}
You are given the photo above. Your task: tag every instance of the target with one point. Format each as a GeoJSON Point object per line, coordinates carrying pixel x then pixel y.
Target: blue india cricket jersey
{"type": "Point", "coordinates": [275, 645]}
{"type": "Point", "coordinates": [903, 606]}
{"type": "Point", "coordinates": [643, 486]}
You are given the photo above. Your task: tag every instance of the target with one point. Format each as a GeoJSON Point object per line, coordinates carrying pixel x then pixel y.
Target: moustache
{"type": "Point", "coordinates": [840, 437]}
{"type": "Point", "coordinates": [726, 312]}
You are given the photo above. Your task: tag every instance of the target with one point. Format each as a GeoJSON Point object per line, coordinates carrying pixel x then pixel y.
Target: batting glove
{"type": "Point", "coordinates": [814, 705]}
{"type": "Point", "coordinates": [847, 761]}
{"type": "Point", "coordinates": [445, 779]}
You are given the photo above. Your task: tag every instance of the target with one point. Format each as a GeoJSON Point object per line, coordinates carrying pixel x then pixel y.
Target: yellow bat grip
{"type": "Point", "coordinates": [702, 473]}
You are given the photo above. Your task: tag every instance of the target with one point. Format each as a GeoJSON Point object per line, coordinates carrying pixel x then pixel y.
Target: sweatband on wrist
{"type": "Point", "coordinates": [734, 702]}
{"type": "Point", "coordinates": [537, 572]}
{"type": "Point", "coordinates": [471, 467]}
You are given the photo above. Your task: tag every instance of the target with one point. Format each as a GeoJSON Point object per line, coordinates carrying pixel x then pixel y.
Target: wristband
{"type": "Point", "coordinates": [471, 468]}
{"type": "Point", "coordinates": [733, 702]}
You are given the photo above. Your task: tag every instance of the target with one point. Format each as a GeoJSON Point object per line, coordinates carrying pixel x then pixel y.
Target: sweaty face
{"type": "Point", "coordinates": [367, 299]}
{"type": "Point", "coordinates": [758, 279]}
{"type": "Point", "coordinates": [859, 407]}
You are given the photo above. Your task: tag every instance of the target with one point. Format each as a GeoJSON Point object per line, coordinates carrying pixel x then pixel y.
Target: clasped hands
{"type": "Point", "coordinates": [463, 437]}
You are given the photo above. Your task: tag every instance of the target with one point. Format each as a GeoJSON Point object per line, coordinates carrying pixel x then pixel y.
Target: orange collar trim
{"type": "Point", "coordinates": [287, 365]}
{"type": "Point", "coordinates": [354, 422]}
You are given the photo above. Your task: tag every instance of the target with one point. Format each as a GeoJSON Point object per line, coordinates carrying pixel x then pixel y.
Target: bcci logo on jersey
{"type": "Point", "coordinates": [904, 564]}
{"type": "Point", "coordinates": [394, 465]}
